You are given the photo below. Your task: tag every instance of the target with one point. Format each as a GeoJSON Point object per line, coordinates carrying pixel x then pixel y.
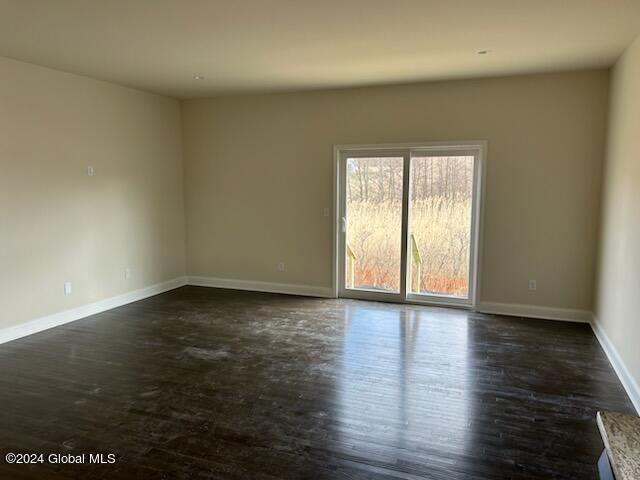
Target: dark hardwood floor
{"type": "Point", "coordinates": [203, 383]}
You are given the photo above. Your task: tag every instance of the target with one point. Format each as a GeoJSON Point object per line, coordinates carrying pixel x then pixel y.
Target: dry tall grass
{"type": "Point", "coordinates": [441, 227]}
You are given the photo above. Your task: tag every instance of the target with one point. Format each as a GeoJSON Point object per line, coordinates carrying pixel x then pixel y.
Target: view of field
{"type": "Point", "coordinates": [439, 220]}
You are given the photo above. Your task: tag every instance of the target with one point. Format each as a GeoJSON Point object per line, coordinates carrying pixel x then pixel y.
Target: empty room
{"type": "Point", "coordinates": [320, 239]}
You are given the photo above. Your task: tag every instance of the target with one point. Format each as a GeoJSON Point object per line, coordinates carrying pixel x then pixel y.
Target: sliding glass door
{"type": "Point", "coordinates": [408, 223]}
{"type": "Point", "coordinates": [374, 223]}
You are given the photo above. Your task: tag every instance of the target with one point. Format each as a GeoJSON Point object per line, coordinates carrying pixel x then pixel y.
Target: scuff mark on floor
{"type": "Point", "coordinates": [207, 353]}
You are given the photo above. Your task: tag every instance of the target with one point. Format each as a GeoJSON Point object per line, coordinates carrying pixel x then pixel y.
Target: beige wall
{"type": "Point", "coordinates": [56, 223]}
{"type": "Point", "coordinates": [618, 283]}
{"type": "Point", "coordinates": [259, 173]}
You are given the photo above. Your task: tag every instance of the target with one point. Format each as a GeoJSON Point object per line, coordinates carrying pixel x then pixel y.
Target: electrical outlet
{"type": "Point", "coordinates": [90, 171]}
{"type": "Point", "coordinates": [325, 212]}
{"type": "Point", "coordinates": [127, 273]}
{"type": "Point", "coordinates": [67, 288]}
{"type": "Point", "coordinates": [281, 266]}
{"type": "Point", "coordinates": [533, 285]}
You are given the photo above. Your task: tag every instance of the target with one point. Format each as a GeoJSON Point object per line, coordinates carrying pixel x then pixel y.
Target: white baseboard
{"type": "Point", "coordinates": [535, 311]}
{"type": "Point", "coordinates": [60, 318]}
{"type": "Point", "coordinates": [627, 380]}
{"type": "Point", "coordinates": [269, 287]}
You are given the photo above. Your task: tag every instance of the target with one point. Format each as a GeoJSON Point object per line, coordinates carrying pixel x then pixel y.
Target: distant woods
{"type": "Point", "coordinates": [380, 179]}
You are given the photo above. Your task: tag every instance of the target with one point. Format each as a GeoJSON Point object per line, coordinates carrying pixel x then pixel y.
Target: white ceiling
{"type": "Point", "coordinates": [278, 45]}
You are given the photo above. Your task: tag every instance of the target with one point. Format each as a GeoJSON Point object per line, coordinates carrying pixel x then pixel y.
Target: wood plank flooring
{"type": "Point", "coordinates": [202, 383]}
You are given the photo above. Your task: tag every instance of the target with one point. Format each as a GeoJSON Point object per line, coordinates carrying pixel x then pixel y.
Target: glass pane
{"type": "Point", "coordinates": [374, 223]}
{"type": "Point", "coordinates": [440, 225]}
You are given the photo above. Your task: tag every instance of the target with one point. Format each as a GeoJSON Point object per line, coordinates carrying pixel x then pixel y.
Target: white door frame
{"type": "Point", "coordinates": [478, 148]}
